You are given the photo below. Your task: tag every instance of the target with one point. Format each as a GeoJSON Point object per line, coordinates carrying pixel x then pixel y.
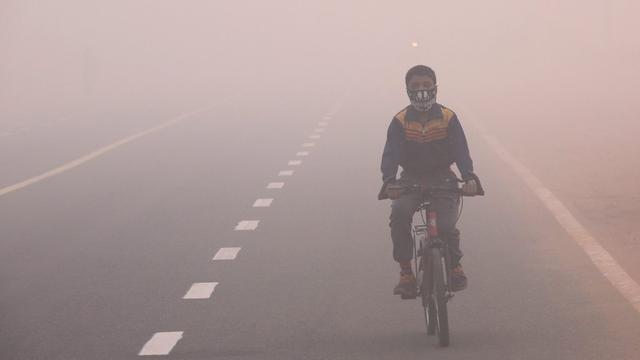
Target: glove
{"type": "Point", "coordinates": [394, 190]}
{"type": "Point", "coordinates": [470, 187]}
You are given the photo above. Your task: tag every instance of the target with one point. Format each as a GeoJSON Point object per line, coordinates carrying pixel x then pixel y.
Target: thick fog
{"type": "Point", "coordinates": [554, 68]}
{"type": "Point", "coordinates": [64, 52]}
{"type": "Point", "coordinates": [559, 75]}
{"type": "Point", "coordinates": [94, 259]}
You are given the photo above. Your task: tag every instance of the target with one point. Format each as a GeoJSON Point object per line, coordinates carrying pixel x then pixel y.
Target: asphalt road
{"type": "Point", "coordinates": [96, 260]}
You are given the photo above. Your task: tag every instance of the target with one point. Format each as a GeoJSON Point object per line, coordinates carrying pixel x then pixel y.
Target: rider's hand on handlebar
{"type": "Point", "coordinates": [470, 187]}
{"type": "Point", "coordinates": [394, 190]}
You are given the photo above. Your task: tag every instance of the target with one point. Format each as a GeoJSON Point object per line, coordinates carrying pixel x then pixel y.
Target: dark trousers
{"type": "Point", "coordinates": [446, 206]}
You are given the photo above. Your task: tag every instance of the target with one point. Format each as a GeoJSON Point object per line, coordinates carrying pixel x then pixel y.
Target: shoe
{"type": "Point", "coordinates": [458, 279]}
{"type": "Point", "coordinates": [407, 287]}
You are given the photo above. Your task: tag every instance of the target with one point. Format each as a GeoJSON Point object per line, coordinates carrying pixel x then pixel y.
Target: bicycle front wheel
{"type": "Point", "coordinates": [440, 297]}
{"type": "Point", "coordinates": [430, 315]}
{"type": "Point", "coordinates": [426, 292]}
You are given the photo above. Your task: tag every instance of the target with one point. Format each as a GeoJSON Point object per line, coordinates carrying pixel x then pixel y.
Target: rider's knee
{"type": "Point", "coordinates": [400, 215]}
{"type": "Point", "coordinates": [451, 233]}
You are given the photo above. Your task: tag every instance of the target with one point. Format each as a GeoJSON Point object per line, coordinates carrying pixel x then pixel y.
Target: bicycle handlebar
{"type": "Point", "coordinates": [425, 189]}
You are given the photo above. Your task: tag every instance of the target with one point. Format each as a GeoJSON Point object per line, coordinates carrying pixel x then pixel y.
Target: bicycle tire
{"type": "Point", "coordinates": [440, 297]}
{"type": "Point", "coordinates": [430, 316]}
{"type": "Point", "coordinates": [426, 291]}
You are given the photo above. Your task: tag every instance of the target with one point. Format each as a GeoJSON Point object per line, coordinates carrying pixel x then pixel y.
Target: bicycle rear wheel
{"type": "Point", "coordinates": [440, 297]}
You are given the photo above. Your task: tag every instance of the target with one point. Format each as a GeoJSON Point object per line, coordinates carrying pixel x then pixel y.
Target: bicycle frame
{"type": "Point", "coordinates": [425, 234]}
{"type": "Point", "coordinates": [432, 258]}
{"type": "Point", "coordinates": [431, 253]}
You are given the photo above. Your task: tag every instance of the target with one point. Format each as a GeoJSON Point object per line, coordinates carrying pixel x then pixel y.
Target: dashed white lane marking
{"type": "Point", "coordinates": [315, 136]}
{"type": "Point", "coordinates": [326, 117]}
{"type": "Point", "coordinates": [319, 130]}
{"type": "Point", "coordinates": [322, 123]}
{"type": "Point", "coordinates": [308, 144]}
{"type": "Point", "coordinates": [285, 173]}
{"type": "Point", "coordinates": [262, 203]}
{"type": "Point", "coordinates": [275, 185]}
{"type": "Point", "coordinates": [605, 263]}
{"type": "Point", "coordinates": [229, 253]}
{"type": "Point", "coordinates": [247, 225]}
{"type": "Point", "coordinates": [294, 162]}
{"type": "Point", "coordinates": [302, 153]}
{"type": "Point", "coordinates": [161, 343]}
{"type": "Point", "coordinates": [200, 290]}
{"type": "Point", "coordinates": [103, 150]}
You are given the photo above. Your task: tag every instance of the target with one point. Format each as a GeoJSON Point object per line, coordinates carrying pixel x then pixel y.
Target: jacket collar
{"type": "Point", "coordinates": [434, 113]}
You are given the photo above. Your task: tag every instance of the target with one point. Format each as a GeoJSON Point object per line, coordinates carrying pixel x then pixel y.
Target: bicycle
{"type": "Point", "coordinates": [432, 261]}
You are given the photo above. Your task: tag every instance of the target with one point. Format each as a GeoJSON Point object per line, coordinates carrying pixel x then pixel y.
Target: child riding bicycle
{"type": "Point", "coordinates": [425, 139]}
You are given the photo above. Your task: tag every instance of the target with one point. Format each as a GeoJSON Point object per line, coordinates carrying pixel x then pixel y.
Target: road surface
{"type": "Point", "coordinates": [98, 258]}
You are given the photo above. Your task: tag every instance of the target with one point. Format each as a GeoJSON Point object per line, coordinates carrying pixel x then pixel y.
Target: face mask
{"type": "Point", "coordinates": [423, 100]}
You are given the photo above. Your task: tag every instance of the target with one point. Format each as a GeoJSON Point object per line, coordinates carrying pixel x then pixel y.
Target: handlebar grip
{"type": "Point", "coordinates": [382, 194]}
{"type": "Point", "coordinates": [480, 188]}
{"type": "Point", "coordinates": [480, 191]}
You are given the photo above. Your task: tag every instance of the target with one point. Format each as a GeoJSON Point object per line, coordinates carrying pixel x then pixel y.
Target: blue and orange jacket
{"type": "Point", "coordinates": [424, 150]}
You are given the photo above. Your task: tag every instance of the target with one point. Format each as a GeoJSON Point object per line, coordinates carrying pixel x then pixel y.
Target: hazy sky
{"type": "Point", "coordinates": [63, 52]}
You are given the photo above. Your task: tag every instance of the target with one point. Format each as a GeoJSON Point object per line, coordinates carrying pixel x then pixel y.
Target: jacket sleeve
{"type": "Point", "coordinates": [460, 149]}
{"type": "Point", "coordinates": [393, 151]}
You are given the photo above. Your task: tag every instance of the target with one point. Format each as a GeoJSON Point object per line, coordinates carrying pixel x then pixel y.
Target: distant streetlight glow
{"type": "Point", "coordinates": [414, 44]}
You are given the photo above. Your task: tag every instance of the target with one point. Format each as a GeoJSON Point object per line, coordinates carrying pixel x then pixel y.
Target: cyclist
{"type": "Point", "coordinates": [425, 139]}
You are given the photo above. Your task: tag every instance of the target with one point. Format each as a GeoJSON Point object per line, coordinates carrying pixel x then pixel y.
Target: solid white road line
{"type": "Point", "coordinates": [275, 185]}
{"type": "Point", "coordinates": [605, 263]}
{"type": "Point", "coordinates": [262, 203]}
{"type": "Point", "coordinates": [161, 343]}
{"type": "Point", "coordinates": [201, 290]}
{"type": "Point", "coordinates": [285, 173]}
{"type": "Point", "coordinates": [308, 144]}
{"type": "Point", "coordinates": [229, 253]}
{"type": "Point", "coordinates": [247, 225]}
{"type": "Point", "coordinates": [99, 152]}
{"type": "Point", "coordinates": [315, 136]}
{"type": "Point", "coordinates": [294, 162]}
{"type": "Point", "coordinates": [302, 153]}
